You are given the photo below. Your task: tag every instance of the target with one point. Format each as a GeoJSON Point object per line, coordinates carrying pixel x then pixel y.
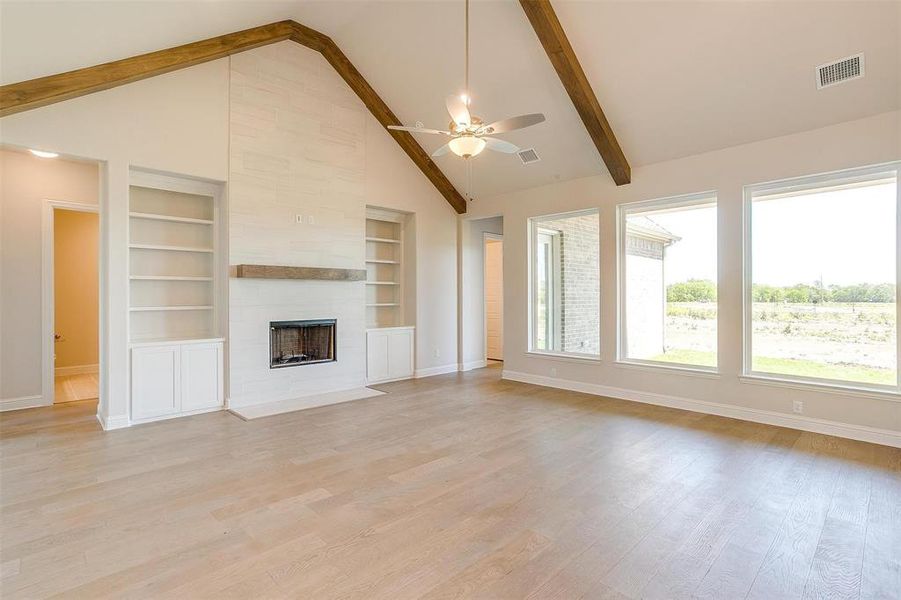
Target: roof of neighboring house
{"type": "Point", "coordinates": [647, 227]}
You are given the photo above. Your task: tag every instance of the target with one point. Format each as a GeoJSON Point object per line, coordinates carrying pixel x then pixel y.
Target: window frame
{"type": "Point", "coordinates": [695, 199]}
{"type": "Point", "coordinates": [791, 186]}
{"type": "Point", "coordinates": [533, 226]}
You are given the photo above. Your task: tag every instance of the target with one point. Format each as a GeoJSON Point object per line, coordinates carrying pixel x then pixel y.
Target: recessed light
{"type": "Point", "coordinates": [43, 153]}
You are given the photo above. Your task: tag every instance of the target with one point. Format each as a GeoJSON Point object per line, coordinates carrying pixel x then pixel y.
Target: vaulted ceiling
{"type": "Point", "coordinates": [674, 78]}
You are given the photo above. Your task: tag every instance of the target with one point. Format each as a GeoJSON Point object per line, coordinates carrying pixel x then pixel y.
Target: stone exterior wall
{"type": "Point", "coordinates": [580, 272]}
{"type": "Point", "coordinates": [645, 297]}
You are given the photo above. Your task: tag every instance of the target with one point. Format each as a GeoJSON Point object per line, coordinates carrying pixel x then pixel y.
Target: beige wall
{"type": "Point", "coordinates": [25, 182]}
{"type": "Point", "coordinates": [856, 143]}
{"type": "Point", "coordinates": [76, 287]}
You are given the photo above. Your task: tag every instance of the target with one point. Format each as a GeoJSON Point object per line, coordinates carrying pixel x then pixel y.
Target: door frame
{"type": "Point", "coordinates": [485, 237]}
{"type": "Point", "coordinates": [48, 298]}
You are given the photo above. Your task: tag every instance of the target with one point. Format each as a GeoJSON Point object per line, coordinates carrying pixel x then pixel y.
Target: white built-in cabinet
{"type": "Point", "coordinates": [176, 284]}
{"type": "Point", "coordinates": [172, 379]}
{"type": "Point", "coordinates": [389, 354]}
{"type": "Point", "coordinates": [389, 339]}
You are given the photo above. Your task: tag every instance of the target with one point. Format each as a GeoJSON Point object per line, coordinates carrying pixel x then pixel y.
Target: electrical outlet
{"type": "Point", "coordinates": [553, 371]}
{"type": "Point", "coordinates": [798, 407]}
{"type": "Point", "coordinates": [311, 220]}
{"type": "Point", "coordinates": [437, 352]}
{"type": "Point", "coordinates": [298, 219]}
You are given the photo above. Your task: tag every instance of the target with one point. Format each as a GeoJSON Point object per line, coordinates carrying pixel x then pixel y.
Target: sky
{"type": "Point", "coordinates": [844, 236]}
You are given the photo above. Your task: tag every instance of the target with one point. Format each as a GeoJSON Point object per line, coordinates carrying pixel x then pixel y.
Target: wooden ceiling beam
{"type": "Point", "coordinates": [546, 25]}
{"type": "Point", "coordinates": [28, 95]}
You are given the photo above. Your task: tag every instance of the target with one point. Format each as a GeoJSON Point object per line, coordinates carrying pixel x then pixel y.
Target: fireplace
{"type": "Point", "coordinates": [293, 343]}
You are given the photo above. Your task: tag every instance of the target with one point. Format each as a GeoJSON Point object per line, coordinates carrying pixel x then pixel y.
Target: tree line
{"type": "Point", "coordinates": [704, 290]}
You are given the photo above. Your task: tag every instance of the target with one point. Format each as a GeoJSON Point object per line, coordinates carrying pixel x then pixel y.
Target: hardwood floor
{"type": "Point", "coordinates": [451, 486]}
{"type": "Point", "coordinates": [71, 388]}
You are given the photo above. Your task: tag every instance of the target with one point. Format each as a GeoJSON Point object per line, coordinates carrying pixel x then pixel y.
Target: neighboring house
{"type": "Point", "coordinates": [646, 244]}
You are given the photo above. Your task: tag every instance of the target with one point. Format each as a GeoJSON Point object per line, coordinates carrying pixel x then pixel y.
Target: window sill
{"type": "Point", "coordinates": [811, 386]}
{"type": "Point", "coordinates": [655, 367]}
{"type": "Point", "coordinates": [587, 358]}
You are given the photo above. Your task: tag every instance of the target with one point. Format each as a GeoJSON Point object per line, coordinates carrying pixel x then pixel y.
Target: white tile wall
{"type": "Point", "coordinates": [297, 147]}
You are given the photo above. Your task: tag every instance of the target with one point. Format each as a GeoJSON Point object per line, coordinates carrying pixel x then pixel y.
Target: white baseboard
{"type": "Point", "coordinates": [21, 402]}
{"type": "Point", "coordinates": [452, 368]}
{"type": "Point", "coordinates": [473, 364]}
{"type": "Point", "coordinates": [77, 370]}
{"type": "Point", "coordinates": [116, 422]}
{"type": "Point", "coordinates": [862, 433]}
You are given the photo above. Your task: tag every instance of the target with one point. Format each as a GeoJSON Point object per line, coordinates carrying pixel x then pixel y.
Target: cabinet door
{"type": "Point", "coordinates": [376, 356]}
{"type": "Point", "coordinates": [400, 354]}
{"type": "Point", "coordinates": [201, 376]}
{"type": "Point", "coordinates": [154, 381]}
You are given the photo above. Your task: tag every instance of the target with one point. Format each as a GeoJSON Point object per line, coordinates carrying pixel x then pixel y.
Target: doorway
{"type": "Point", "coordinates": [74, 302]}
{"type": "Point", "coordinates": [494, 297]}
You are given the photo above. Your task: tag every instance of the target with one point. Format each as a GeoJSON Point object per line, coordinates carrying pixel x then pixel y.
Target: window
{"type": "Point", "coordinates": [565, 283]}
{"type": "Point", "coordinates": [668, 281]}
{"type": "Point", "coordinates": [821, 279]}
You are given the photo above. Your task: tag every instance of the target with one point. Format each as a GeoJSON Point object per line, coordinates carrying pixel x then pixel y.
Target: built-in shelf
{"type": "Point", "coordinates": [379, 261]}
{"type": "Point", "coordinates": [382, 283]}
{"type": "Point", "coordinates": [384, 304]}
{"type": "Point", "coordinates": [168, 278]}
{"type": "Point", "coordinates": [383, 240]}
{"type": "Point", "coordinates": [169, 248]}
{"type": "Point", "coordinates": [172, 218]}
{"type": "Point", "coordinates": [173, 307]}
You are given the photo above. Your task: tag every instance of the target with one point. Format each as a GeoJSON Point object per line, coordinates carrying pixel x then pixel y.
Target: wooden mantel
{"type": "Point", "coordinates": [286, 272]}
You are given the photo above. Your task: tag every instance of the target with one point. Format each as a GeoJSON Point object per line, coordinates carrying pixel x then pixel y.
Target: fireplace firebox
{"type": "Point", "coordinates": [293, 343]}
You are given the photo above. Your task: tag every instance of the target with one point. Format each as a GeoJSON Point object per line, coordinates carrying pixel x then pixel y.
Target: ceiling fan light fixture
{"type": "Point", "coordinates": [467, 146]}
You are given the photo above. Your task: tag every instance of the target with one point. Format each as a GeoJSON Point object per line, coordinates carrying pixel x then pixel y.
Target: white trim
{"type": "Point", "coordinates": [473, 364]}
{"type": "Point", "coordinates": [21, 402]}
{"type": "Point", "coordinates": [77, 370]}
{"type": "Point", "coordinates": [779, 189]}
{"type": "Point", "coordinates": [820, 387]}
{"type": "Point", "coordinates": [497, 237]}
{"type": "Point", "coordinates": [564, 356]}
{"type": "Point", "coordinates": [110, 423]}
{"type": "Point", "coordinates": [661, 367]}
{"type": "Point", "coordinates": [147, 178]}
{"type": "Point", "coordinates": [431, 371]}
{"type": "Point", "coordinates": [855, 432]}
{"type": "Point", "coordinates": [47, 288]}
{"type": "Point", "coordinates": [681, 202]}
{"type": "Point", "coordinates": [532, 226]}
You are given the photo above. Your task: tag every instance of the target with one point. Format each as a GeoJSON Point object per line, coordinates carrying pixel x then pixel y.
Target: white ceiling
{"type": "Point", "coordinates": [675, 78]}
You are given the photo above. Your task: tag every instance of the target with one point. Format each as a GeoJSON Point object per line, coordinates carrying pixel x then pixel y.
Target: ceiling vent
{"type": "Point", "coordinates": [840, 71]}
{"type": "Point", "coordinates": [528, 156]}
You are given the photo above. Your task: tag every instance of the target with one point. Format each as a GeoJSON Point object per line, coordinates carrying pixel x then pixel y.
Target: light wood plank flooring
{"type": "Point", "coordinates": [71, 388]}
{"type": "Point", "coordinates": [451, 486]}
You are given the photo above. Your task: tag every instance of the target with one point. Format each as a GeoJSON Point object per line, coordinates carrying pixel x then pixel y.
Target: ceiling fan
{"type": "Point", "coordinates": [468, 133]}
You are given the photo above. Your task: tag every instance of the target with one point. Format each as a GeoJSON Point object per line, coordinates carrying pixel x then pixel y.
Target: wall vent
{"type": "Point", "coordinates": [528, 156]}
{"type": "Point", "coordinates": [839, 71]}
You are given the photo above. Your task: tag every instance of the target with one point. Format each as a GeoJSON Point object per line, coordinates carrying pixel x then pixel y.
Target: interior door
{"type": "Point", "coordinates": [494, 298]}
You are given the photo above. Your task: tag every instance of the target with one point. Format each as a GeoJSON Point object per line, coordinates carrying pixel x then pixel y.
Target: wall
{"type": "Point", "coordinates": [645, 297]}
{"type": "Point", "coordinates": [179, 123]}
{"type": "Point", "coordinates": [76, 288]}
{"type": "Point", "coordinates": [864, 142]}
{"type": "Point", "coordinates": [25, 182]}
{"type": "Point", "coordinates": [472, 306]}
{"type": "Point", "coordinates": [175, 123]}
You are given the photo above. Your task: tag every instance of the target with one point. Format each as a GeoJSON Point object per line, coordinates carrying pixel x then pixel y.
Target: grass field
{"type": "Point", "coordinates": [789, 366]}
{"type": "Point", "coordinates": [840, 341]}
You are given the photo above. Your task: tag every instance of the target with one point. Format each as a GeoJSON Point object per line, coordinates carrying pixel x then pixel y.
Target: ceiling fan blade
{"type": "Point", "coordinates": [513, 123]}
{"type": "Point", "coordinates": [442, 150]}
{"type": "Point", "coordinates": [418, 129]}
{"type": "Point", "coordinates": [500, 145]}
{"type": "Point", "coordinates": [458, 110]}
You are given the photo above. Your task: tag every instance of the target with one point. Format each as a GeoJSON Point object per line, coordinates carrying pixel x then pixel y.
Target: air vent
{"type": "Point", "coordinates": [528, 156]}
{"type": "Point", "coordinates": [840, 71]}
